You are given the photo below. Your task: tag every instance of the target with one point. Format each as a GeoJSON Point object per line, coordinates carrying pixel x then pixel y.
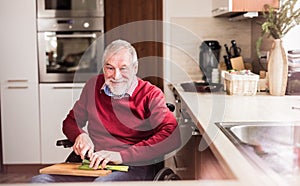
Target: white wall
{"type": "Point", "coordinates": [180, 9]}
{"type": "Point", "coordinates": [187, 8]}
{"type": "Point", "coordinates": [291, 40]}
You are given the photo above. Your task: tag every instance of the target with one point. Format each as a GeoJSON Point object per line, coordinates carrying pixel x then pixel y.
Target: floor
{"type": "Point", "coordinates": [15, 178]}
{"type": "Point", "coordinates": [19, 173]}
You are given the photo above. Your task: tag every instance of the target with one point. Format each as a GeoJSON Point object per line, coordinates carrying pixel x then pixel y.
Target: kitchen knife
{"type": "Point", "coordinates": [227, 62]}
{"type": "Point", "coordinates": [227, 50]}
{"type": "Point", "coordinates": [236, 49]}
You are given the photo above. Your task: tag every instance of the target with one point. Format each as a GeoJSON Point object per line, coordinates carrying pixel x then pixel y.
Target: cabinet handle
{"type": "Point", "coordinates": [17, 80]}
{"type": "Point", "coordinates": [219, 9]}
{"type": "Point", "coordinates": [75, 36]}
{"type": "Point", "coordinates": [17, 87]}
{"type": "Point", "coordinates": [196, 133]}
{"type": "Point", "coordinates": [67, 87]}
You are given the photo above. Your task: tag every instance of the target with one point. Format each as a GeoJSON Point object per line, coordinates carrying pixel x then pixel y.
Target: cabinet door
{"type": "Point", "coordinates": [123, 20]}
{"type": "Point", "coordinates": [18, 41]}
{"type": "Point", "coordinates": [228, 7]}
{"type": "Point", "coordinates": [56, 100]}
{"type": "Point", "coordinates": [19, 82]}
{"type": "Point", "coordinates": [252, 5]}
{"type": "Point", "coordinates": [20, 123]}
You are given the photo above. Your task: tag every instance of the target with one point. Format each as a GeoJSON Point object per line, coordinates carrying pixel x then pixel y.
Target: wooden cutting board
{"type": "Point", "coordinates": [72, 169]}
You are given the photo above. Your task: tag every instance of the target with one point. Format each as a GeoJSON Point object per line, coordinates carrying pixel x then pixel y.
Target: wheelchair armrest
{"type": "Point", "coordinates": [65, 142]}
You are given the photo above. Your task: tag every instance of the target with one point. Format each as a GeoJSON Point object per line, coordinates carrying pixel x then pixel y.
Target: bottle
{"type": "Point", "coordinates": [215, 75]}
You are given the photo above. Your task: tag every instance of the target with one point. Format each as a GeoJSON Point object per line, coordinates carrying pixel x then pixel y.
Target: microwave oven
{"type": "Point", "coordinates": [70, 8]}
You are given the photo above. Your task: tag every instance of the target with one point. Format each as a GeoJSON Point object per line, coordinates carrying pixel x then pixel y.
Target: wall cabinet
{"type": "Point", "coordinates": [19, 82]}
{"type": "Point", "coordinates": [56, 100]}
{"type": "Point", "coordinates": [230, 7]}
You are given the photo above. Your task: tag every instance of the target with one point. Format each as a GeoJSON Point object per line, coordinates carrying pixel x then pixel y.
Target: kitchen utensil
{"type": "Point", "coordinates": [234, 49]}
{"type": "Point", "coordinates": [72, 169]}
{"type": "Point", "coordinates": [227, 62]}
{"type": "Point", "coordinates": [227, 50]}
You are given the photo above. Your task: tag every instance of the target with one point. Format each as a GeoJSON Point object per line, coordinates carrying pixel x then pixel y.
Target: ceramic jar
{"type": "Point", "coordinates": [277, 69]}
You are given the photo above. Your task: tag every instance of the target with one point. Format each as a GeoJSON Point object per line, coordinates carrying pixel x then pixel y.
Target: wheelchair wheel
{"type": "Point", "coordinates": [166, 174]}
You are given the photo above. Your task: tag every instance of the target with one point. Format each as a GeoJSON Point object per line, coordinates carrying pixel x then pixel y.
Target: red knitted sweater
{"type": "Point", "coordinates": [140, 127]}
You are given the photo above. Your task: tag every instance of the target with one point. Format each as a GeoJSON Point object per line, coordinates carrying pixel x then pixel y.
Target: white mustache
{"type": "Point", "coordinates": [116, 81]}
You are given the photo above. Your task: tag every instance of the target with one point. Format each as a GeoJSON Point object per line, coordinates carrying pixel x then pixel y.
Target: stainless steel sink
{"type": "Point", "coordinates": [274, 145]}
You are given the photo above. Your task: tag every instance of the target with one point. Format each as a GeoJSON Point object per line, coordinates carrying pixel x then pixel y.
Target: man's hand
{"type": "Point", "coordinates": [83, 144]}
{"type": "Point", "coordinates": [104, 157]}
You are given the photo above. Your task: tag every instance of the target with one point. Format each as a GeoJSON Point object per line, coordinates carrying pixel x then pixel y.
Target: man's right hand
{"type": "Point", "coordinates": [83, 144]}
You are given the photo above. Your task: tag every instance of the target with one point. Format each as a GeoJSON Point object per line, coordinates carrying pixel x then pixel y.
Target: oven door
{"type": "Point", "coordinates": [69, 56]}
{"type": "Point", "coordinates": [70, 8]}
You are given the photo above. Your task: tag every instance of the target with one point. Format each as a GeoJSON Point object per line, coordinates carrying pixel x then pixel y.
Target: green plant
{"type": "Point", "coordinates": [278, 21]}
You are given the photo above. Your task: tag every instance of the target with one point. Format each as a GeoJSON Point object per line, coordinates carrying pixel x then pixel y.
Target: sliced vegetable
{"type": "Point", "coordinates": [86, 163]}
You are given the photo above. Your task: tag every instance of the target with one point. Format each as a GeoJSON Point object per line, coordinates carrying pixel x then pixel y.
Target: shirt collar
{"type": "Point", "coordinates": [129, 92]}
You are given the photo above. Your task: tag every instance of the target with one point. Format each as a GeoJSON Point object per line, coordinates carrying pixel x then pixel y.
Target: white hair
{"type": "Point", "coordinates": [118, 45]}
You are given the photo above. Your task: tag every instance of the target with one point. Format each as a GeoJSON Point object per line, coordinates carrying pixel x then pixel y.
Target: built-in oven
{"type": "Point", "coordinates": [70, 8]}
{"type": "Point", "coordinates": [69, 49]}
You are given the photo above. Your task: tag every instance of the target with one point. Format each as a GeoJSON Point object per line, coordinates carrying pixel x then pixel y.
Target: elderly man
{"type": "Point", "coordinates": [128, 121]}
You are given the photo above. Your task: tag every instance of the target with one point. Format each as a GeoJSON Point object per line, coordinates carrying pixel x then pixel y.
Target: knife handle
{"type": "Point", "coordinates": [227, 62]}
{"type": "Point", "coordinates": [236, 50]}
{"type": "Point", "coordinates": [227, 50]}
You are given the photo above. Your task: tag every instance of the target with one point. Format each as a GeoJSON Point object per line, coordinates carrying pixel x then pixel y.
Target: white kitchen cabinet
{"type": "Point", "coordinates": [56, 100]}
{"type": "Point", "coordinates": [20, 123]}
{"type": "Point", "coordinates": [18, 46]}
{"type": "Point", "coordinates": [19, 82]}
{"type": "Point", "coordinates": [229, 7]}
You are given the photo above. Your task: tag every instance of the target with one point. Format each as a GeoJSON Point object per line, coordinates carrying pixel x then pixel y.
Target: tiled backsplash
{"type": "Point", "coordinates": [187, 34]}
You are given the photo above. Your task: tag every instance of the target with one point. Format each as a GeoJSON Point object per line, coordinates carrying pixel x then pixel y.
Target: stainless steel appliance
{"type": "Point", "coordinates": [209, 58]}
{"type": "Point", "coordinates": [70, 8]}
{"type": "Point", "coordinates": [69, 42]}
{"type": "Point", "coordinates": [69, 48]}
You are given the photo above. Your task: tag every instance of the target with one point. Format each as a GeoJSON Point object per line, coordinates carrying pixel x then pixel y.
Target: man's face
{"type": "Point", "coordinates": [119, 72]}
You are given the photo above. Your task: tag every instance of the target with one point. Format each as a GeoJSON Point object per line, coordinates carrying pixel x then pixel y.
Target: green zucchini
{"type": "Point", "coordinates": [86, 163]}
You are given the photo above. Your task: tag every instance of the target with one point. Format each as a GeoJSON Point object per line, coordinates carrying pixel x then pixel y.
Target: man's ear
{"type": "Point", "coordinates": [136, 67]}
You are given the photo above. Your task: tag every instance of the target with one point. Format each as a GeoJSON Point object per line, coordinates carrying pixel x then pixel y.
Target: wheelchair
{"type": "Point", "coordinates": [162, 173]}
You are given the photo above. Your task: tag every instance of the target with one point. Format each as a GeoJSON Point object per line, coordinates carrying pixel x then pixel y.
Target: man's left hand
{"type": "Point", "coordinates": [105, 157]}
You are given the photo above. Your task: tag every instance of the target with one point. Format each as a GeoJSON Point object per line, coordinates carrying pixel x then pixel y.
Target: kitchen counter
{"type": "Point", "coordinates": [208, 108]}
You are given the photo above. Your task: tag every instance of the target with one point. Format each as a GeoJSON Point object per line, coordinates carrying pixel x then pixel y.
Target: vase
{"type": "Point", "coordinates": [277, 69]}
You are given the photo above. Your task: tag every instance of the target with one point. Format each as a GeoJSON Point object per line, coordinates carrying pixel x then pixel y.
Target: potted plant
{"type": "Point", "coordinates": [277, 23]}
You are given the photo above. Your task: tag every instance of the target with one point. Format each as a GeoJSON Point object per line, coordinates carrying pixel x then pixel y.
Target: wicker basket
{"type": "Point", "coordinates": [241, 84]}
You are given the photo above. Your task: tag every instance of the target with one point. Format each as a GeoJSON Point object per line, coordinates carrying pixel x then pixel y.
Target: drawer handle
{"type": "Point", "coordinates": [67, 87]}
{"type": "Point", "coordinates": [17, 87]}
{"type": "Point", "coordinates": [17, 80]}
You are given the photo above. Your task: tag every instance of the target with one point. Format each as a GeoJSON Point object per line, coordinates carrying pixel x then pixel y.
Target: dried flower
{"type": "Point", "coordinates": [278, 22]}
